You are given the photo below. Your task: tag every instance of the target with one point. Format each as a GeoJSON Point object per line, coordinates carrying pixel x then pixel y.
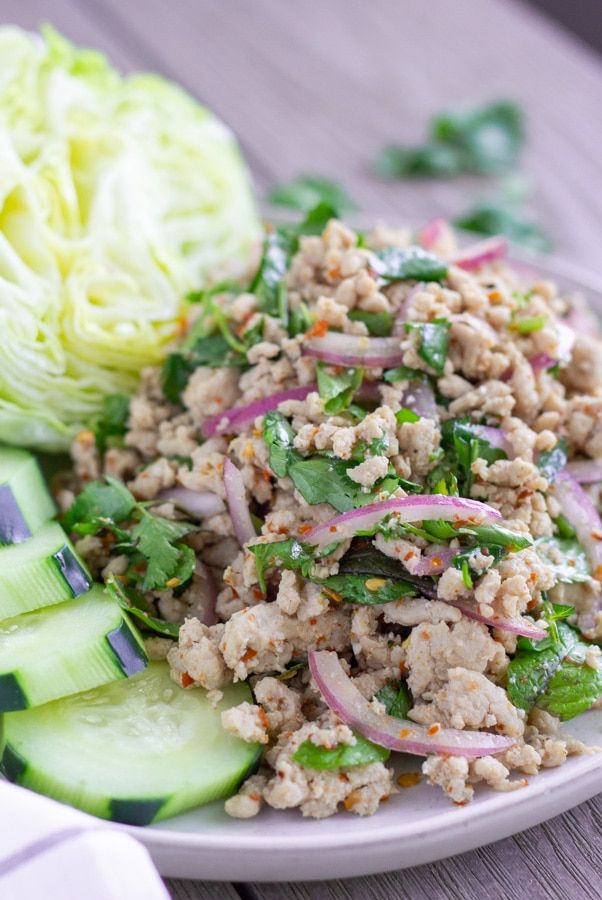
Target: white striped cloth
{"type": "Point", "coordinates": [52, 852]}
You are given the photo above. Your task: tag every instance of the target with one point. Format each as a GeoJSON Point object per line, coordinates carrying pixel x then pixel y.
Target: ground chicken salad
{"type": "Point", "coordinates": [354, 514]}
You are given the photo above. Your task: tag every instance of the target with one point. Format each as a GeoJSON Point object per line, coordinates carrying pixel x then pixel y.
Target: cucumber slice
{"type": "Point", "coordinates": [134, 751]}
{"type": "Point", "coordinates": [41, 571]}
{"type": "Point", "coordinates": [64, 649]}
{"type": "Point", "coordinates": [25, 503]}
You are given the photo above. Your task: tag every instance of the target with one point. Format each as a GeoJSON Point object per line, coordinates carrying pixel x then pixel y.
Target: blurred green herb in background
{"type": "Point", "coordinates": [306, 191]}
{"type": "Point", "coordinates": [484, 141]}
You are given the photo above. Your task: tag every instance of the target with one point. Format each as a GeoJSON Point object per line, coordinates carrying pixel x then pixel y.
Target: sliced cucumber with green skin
{"type": "Point", "coordinates": [41, 571]}
{"type": "Point", "coordinates": [25, 503]}
{"type": "Point", "coordinates": [134, 751]}
{"type": "Point", "coordinates": [65, 649]}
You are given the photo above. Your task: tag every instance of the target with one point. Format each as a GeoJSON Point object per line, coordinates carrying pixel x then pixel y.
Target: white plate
{"type": "Point", "coordinates": [418, 825]}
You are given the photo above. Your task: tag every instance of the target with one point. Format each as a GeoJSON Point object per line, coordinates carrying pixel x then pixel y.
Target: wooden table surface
{"type": "Point", "coordinates": [319, 87]}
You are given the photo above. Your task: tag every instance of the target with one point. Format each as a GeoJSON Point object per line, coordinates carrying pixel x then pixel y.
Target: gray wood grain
{"type": "Point", "coordinates": [320, 87]}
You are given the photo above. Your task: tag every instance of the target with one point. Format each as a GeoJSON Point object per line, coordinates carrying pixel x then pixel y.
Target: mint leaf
{"type": "Point", "coordinates": [288, 554]}
{"type": "Point", "coordinates": [530, 671]}
{"type": "Point", "coordinates": [433, 342]}
{"type": "Point", "coordinates": [571, 690]}
{"type": "Point", "coordinates": [279, 436]}
{"type": "Point", "coordinates": [396, 699]}
{"type": "Point", "coordinates": [397, 264]}
{"type": "Point", "coordinates": [337, 386]}
{"type": "Point", "coordinates": [343, 756]}
{"type": "Point", "coordinates": [371, 591]}
{"type": "Point", "coordinates": [379, 324]}
{"type": "Point", "coordinates": [324, 479]}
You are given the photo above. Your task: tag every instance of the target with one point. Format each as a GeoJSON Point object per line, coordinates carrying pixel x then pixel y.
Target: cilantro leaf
{"type": "Point", "coordinates": [551, 462]}
{"type": "Point", "coordinates": [133, 602]}
{"type": "Point", "coordinates": [288, 554]}
{"type": "Point", "coordinates": [396, 699]}
{"type": "Point", "coordinates": [111, 501]}
{"type": "Point", "coordinates": [502, 216]}
{"type": "Point", "coordinates": [156, 539]}
{"type": "Point", "coordinates": [397, 263]}
{"type": "Point", "coordinates": [406, 415]}
{"type": "Point", "coordinates": [337, 387]}
{"type": "Point", "coordinates": [379, 324]}
{"type": "Point", "coordinates": [566, 557]}
{"type": "Point", "coordinates": [307, 191]}
{"type": "Point", "coordinates": [343, 756]}
{"type": "Point", "coordinates": [433, 342]}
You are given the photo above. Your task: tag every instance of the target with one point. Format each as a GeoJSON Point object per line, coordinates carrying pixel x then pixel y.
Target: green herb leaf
{"type": "Point", "coordinates": [566, 557]}
{"type": "Point", "coordinates": [337, 386]}
{"type": "Point", "coordinates": [156, 539]}
{"type": "Point", "coordinates": [396, 699]}
{"type": "Point", "coordinates": [551, 462]}
{"type": "Point", "coordinates": [134, 603]}
{"type": "Point", "coordinates": [278, 435]}
{"type": "Point", "coordinates": [434, 160]}
{"type": "Point", "coordinates": [288, 554]}
{"type": "Point", "coordinates": [495, 535]}
{"type": "Point", "coordinates": [343, 756]}
{"type": "Point", "coordinates": [396, 264]}
{"type": "Point", "coordinates": [277, 250]}
{"type": "Point", "coordinates": [112, 423]}
{"type": "Point", "coordinates": [111, 501]}
{"type": "Point", "coordinates": [372, 591]}
{"type": "Point", "coordinates": [324, 479]}
{"type": "Point", "coordinates": [379, 324]}
{"type": "Point", "coordinates": [406, 415]}
{"type": "Point", "coordinates": [564, 529]}
{"type": "Point", "coordinates": [404, 373]}
{"type": "Point", "coordinates": [307, 191]}
{"type": "Point", "coordinates": [572, 690]}
{"type": "Point", "coordinates": [433, 342]}
{"type": "Point", "coordinates": [212, 350]}
{"type": "Point", "coordinates": [500, 216]}
{"type": "Point", "coordinates": [528, 324]}
{"type": "Point", "coordinates": [530, 671]}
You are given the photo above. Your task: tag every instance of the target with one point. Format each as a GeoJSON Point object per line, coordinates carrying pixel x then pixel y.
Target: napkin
{"type": "Point", "coordinates": [53, 852]}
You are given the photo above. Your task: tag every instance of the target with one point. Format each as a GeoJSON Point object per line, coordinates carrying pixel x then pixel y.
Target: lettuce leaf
{"type": "Point", "coordinates": [119, 197]}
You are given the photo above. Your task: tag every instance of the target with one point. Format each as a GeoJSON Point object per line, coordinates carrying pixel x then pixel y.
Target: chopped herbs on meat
{"type": "Point", "coordinates": [480, 614]}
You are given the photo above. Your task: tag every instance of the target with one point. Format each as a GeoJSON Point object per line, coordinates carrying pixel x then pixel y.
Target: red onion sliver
{"type": "Point", "coordinates": [204, 608]}
{"type": "Point", "coordinates": [237, 504]}
{"type": "Point", "coordinates": [514, 626]}
{"type": "Point", "coordinates": [581, 513]}
{"type": "Point", "coordinates": [495, 437]}
{"type": "Point", "coordinates": [198, 504]}
{"type": "Point", "coordinates": [483, 252]}
{"type": "Point", "coordinates": [420, 398]}
{"type": "Point", "coordinates": [431, 233]}
{"type": "Point", "coordinates": [236, 419]}
{"type": "Point", "coordinates": [434, 562]}
{"type": "Point", "coordinates": [403, 735]}
{"type": "Point", "coordinates": [408, 509]}
{"type": "Point", "coordinates": [541, 361]}
{"type": "Point", "coordinates": [585, 471]}
{"type": "Point", "coordinates": [401, 316]}
{"type": "Point", "coordinates": [354, 350]}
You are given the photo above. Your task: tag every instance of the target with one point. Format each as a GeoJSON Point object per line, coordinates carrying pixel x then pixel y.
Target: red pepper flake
{"type": "Point", "coordinates": [434, 729]}
{"type": "Point", "coordinates": [409, 779]}
{"type": "Point", "coordinates": [318, 329]}
{"type": "Point", "coordinates": [187, 680]}
{"type": "Point", "coordinates": [250, 654]}
{"type": "Point", "coordinates": [405, 732]}
{"type": "Point", "coordinates": [303, 529]}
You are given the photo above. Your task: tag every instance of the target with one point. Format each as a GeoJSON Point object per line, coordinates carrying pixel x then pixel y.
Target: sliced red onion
{"type": "Point", "coordinates": [431, 233]}
{"type": "Point", "coordinates": [403, 735]}
{"type": "Point", "coordinates": [566, 342]}
{"type": "Point", "coordinates": [417, 508]}
{"type": "Point", "coordinates": [236, 419]}
{"type": "Point", "coordinates": [354, 350]}
{"type": "Point", "coordinates": [585, 471]}
{"type": "Point", "coordinates": [581, 513]}
{"type": "Point", "coordinates": [541, 361]}
{"type": "Point", "coordinates": [483, 252]}
{"type": "Point", "coordinates": [401, 316]}
{"type": "Point", "coordinates": [434, 562]}
{"type": "Point", "coordinates": [204, 608]}
{"type": "Point", "coordinates": [514, 626]}
{"type": "Point", "coordinates": [237, 504]}
{"type": "Point", "coordinates": [198, 504]}
{"type": "Point", "coordinates": [420, 398]}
